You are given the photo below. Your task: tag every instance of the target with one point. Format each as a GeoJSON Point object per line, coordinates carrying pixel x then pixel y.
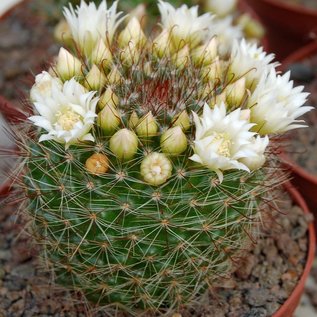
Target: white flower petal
{"type": "Point", "coordinates": [68, 114]}
{"type": "Point", "coordinates": [89, 24]}
{"type": "Point", "coordinates": [184, 23]}
{"type": "Point", "coordinates": [222, 139]}
{"type": "Point", "coordinates": [275, 104]}
{"type": "Point", "coordinates": [88, 137]}
{"type": "Point", "coordinates": [250, 61]}
{"type": "Point", "coordinates": [41, 122]}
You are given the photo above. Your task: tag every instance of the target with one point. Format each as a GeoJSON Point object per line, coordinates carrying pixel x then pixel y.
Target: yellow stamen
{"type": "Point", "coordinates": [67, 119]}
{"type": "Point", "coordinates": [225, 143]}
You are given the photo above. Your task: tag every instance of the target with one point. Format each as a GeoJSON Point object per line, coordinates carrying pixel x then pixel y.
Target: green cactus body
{"type": "Point", "coordinates": [121, 240]}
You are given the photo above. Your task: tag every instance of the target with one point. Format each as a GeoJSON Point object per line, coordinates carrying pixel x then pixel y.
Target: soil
{"type": "Point", "coordinates": [263, 281]}
{"type": "Point", "coordinates": [302, 144]}
{"type": "Point", "coordinates": [26, 46]}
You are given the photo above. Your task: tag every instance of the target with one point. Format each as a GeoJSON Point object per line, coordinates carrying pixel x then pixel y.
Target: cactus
{"type": "Point", "coordinates": [146, 187]}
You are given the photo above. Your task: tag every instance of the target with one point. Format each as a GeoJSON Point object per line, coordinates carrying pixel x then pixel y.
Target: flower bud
{"type": "Point", "coordinates": [251, 28]}
{"type": "Point", "coordinates": [95, 79]}
{"type": "Point", "coordinates": [130, 55]}
{"type": "Point", "coordinates": [182, 120]}
{"type": "Point", "coordinates": [205, 54]}
{"type": "Point", "coordinates": [174, 141]}
{"type": "Point", "coordinates": [97, 164]}
{"type": "Point", "coordinates": [114, 77]}
{"type": "Point", "coordinates": [156, 168]}
{"type": "Point", "coordinates": [62, 33]}
{"type": "Point", "coordinates": [139, 12]}
{"type": "Point", "coordinates": [132, 33]}
{"type": "Point", "coordinates": [162, 45]}
{"type": "Point", "coordinates": [101, 55]}
{"type": "Point", "coordinates": [147, 126]}
{"type": "Point", "coordinates": [133, 121]}
{"type": "Point", "coordinates": [221, 8]}
{"type": "Point", "coordinates": [124, 144]}
{"type": "Point", "coordinates": [218, 99]}
{"type": "Point", "coordinates": [148, 69]}
{"type": "Point", "coordinates": [182, 57]}
{"type": "Point", "coordinates": [108, 98]}
{"type": "Point", "coordinates": [108, 119]}
{"type": "Point", "coordinates": [213, 72]}
{"type": "Point", "coordinates": [67, 65]}
{"type": "Point", "coordinates": [235, 92]}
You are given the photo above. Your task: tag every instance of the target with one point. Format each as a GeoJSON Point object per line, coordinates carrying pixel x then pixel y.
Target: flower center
{"type": "Point", "coordinates": [225, 143]}
{"type": "Point", "coordinates": [156, 169]}
{"type": "Point", "coordinates": [67, 119]}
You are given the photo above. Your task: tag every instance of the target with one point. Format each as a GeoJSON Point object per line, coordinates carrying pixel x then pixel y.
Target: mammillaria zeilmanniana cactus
{"type": "Point", "coordinates": [150, 162]}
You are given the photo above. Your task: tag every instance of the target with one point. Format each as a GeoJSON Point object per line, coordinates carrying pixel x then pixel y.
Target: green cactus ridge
{"type": "Point", "coordinates": [119, 239]}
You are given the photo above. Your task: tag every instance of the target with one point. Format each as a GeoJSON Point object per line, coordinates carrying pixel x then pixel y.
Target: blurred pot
{"type": "Point", "coordinates": [9, 115]}
{"type": "Point", "coordinates": [289, 27]}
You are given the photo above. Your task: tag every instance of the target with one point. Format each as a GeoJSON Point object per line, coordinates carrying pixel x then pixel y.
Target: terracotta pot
{"type": "Point", "coordinates": [289, 306]}
{"type": "Point", "coordinates": [9, 8]}
{"type": "Point", "coordinates": [289, 27]}
{"type": "Point", "coordinates": [302, 179]}
{"type": "Point", "coordinates": [12, 116]}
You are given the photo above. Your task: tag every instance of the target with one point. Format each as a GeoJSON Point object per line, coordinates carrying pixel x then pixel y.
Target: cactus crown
{"type": "Point", "coordinates": [146, 174]}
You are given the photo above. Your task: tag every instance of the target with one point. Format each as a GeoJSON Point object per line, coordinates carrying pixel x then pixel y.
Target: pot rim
{"type": "Point", "coordinates": [10, 9]}
{"type": "Point", "coordinates": [299, 55]}
{"type": "Point", "coordinates": [298, 170]}
{"type": "Point", "coordinates": [295, 8]}
{"type": "Point", "coordinates": [299, 288]}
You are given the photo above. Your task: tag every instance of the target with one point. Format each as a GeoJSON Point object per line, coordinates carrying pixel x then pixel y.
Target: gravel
{"type": "Point", "coordinates": [26, 45]}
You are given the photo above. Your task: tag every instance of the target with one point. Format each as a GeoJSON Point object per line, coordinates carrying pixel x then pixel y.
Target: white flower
{"type": "Point", "coordinates": [89, 24]}
{"type": "Point", "coordinates": [184, 23]}
{"type": "Point", "coordinates": [226, 33]}
{"type": "Point", "coordinates": [43, 86]}
{"type": "Point", "coordinates": [275, 104]}
{"type": "Point", "coordinates": [250, 61]}
{"type": "Point", "coordinates": [221, 7]}
{"type": "Point", "coordinates": [132, 33]}
{"type": "Point", "coordinates": [67, 113]}
{"type": "Point", "coordinates": [258, 145]}
{"type": "Point", "coordinates": [67, 65]}
{"type": "Point", "coordinates": [222, 140]}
